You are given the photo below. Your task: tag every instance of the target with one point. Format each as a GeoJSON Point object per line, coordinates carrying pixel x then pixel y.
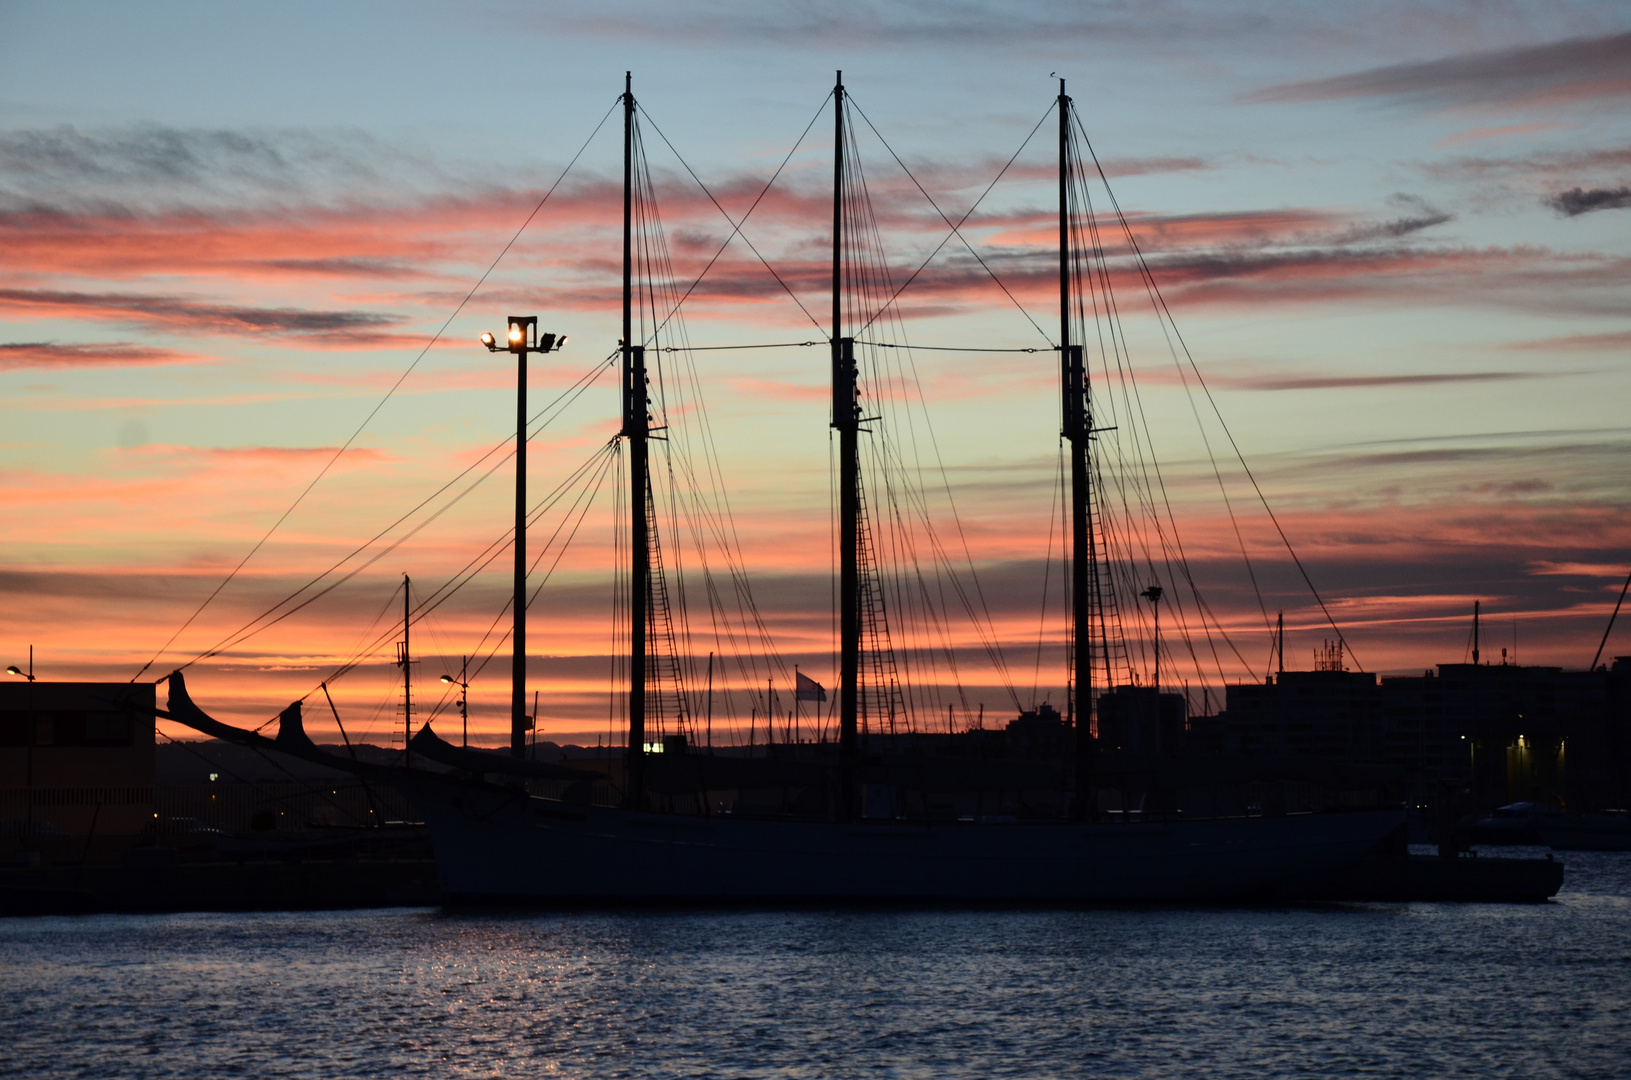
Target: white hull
{"type": "Point", "coordinates": [493, 846]}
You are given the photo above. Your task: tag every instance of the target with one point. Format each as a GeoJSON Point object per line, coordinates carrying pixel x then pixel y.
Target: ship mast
{"type": "Point", "coordinates": [637, 429]}
{"type": "Point", "coordinates": [846, 420]}
{"type": "Point", "coordinates": [1078, 430]}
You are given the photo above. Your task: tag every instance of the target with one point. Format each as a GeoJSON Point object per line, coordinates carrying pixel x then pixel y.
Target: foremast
{"type": "Point", "coordinates": [846, 419]}
{"type": "Point", "coordinates": [1078, 432]}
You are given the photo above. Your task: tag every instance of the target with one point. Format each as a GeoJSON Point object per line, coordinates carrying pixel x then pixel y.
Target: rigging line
{"type": "Point", "coordinates": [480, 562]}
{"type": "Point", "coordinates": [1047, 569]}
{"type": "Point", "coordinates": [917, 502]}
{"type": "Point", "coordinates": [1149, 278]}
{"type": "Point", "coordinates": [580, 506]}
{"type": "Point", "coordinates": [956, 230]}
{"type": "Point", "coordinates": [1129, 378]}
{"type": "Point", "coordinates": [1143, 491]}
{"type": "Point", "coordinates": [906, 505]}
{"type": "Point", "coordinates": [1228, 503]}
{"type": "Point", "coordinates": [381, 403]}
{"type": "Point", "coordinates": [421, 614]}
{"type": "Point", "coordinates": [867, 220]}
{"type": "Point", "coordinates": [721, 521]}
{"type": "Point", "coordinates": [916, 505]}
{"type": "Point", "coordinates": [673, 616]}
{"type": "Point", "coordinates": [945, 480]}
{"type": "Point", "coordinates": [1608, 630]}
{"type": "Point", "coordinates": [446, 590]}
{"type": "Point", "coordinates": [442, 593]}
{"type": "Point", "coordinates": [953, 348]}
{"type": "Point", "coordinates": [722, 348]}
{"type": "Point", "coordinates": [736, 226]}
{"type": "Point", "coordinates": [574, 391]}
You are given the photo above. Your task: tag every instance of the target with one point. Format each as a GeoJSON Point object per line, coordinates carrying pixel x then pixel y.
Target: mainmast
{"type": "Point", "coordinates": [845, 418]}
{"type": "Point", "coordinates": [1078, 430]}
{"type": "Point", "coordinates": [637, 428]}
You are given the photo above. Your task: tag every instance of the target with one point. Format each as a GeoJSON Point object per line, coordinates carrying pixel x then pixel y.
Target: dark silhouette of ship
{"type": "Point", "coordinates": [666, 823]}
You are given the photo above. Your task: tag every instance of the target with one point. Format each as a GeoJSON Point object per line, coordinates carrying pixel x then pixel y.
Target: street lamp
{"type": "Point", "coordinates": [523, 337]}
{"type": "Point", "coordinates": [33, 736]}
{"type": "Point", "coordinates": [1153, 595]}
{"type": "Point", "coordinates": [29, 674]}
{"type": "Point", "coordinates": [463, 683]}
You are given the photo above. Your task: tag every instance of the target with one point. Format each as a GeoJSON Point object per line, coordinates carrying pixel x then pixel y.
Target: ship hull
{"type": "Point", "coordinates": [497, 846]}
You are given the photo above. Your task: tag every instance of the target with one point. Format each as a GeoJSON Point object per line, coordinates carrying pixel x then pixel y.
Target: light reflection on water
{"type": "Point", "coordinates": [1384, 990]}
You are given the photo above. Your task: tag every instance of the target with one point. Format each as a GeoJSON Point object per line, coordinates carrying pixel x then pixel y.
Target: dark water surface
{"type": "Point", "coordinates": [1418, 990]}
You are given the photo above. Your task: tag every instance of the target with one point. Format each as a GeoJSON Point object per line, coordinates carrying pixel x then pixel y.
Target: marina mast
{"type": "Point", "coordinates": [405, 660]}
{"type": "Point", "coordinates": [1078, 431]}
{"type": "Point", "coordinates": [637, 429]}
{"type": "Point", "coordinates": [846, 419]}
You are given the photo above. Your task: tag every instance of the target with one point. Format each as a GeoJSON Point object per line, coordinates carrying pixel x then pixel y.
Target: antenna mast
{"type": "Point", "coordinates": [846, 420]}
{"type": "Point", "coordinates": [1475, 604]}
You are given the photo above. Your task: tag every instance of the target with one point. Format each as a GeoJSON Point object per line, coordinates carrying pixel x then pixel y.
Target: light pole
{"type": "Point", "coordinates": [1153, 595]}
{"type": "Point", "coordinates": [33, 736]}
{"type": "Point", "coordinates": [463, 683]}
{"type": "Point", "coordinates": [522, 338]}
{"type": "Point", "coordinates": [29, 674]}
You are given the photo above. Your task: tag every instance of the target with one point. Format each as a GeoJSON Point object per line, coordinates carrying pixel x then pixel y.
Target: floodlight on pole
{"type": "Point", "coordinates": [521, 338]}
{"type": "Point", "coordinates": [1153, 594]}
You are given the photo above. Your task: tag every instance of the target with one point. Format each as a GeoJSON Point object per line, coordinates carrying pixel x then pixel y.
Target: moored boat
{"type": "Point", "coordinates": [659, 837]}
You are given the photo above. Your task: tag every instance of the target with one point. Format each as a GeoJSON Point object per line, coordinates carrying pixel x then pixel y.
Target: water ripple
{"type": "Point", "coordinates": [1373, 990]}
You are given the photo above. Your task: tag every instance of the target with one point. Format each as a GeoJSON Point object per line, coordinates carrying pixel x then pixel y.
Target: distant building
{"type": "Point", "coordinates": [1039, 732]}
{"type": "Point", "coordinates": [1318, 714]}
{"type": "Point", "coordinates": [1503, 732]}
{"type": "Point", "coordinates": [76, 764]}
{"type": "Point", "coordinates": [1139, 722]}
{"type": "Point", "coordinates": [1539, 734]}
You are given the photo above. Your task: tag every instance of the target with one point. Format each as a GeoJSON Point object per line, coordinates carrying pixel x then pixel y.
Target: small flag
{"type": "Point", "coordinates": [807, 689]}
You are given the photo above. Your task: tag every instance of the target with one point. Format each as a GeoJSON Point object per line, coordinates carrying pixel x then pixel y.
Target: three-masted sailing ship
{"type": "Point", "coordinates": [665, 841]}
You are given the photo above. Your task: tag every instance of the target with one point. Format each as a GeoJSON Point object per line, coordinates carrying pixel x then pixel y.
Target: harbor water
{"type": "Point", "coordinates": [1382, 990]}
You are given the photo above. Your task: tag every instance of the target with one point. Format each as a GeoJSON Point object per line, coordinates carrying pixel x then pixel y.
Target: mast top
{"type": "Point", "coordinates": [840, 77]}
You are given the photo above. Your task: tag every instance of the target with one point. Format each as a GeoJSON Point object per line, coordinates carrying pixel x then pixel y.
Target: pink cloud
{"type": "Point", "coordinates": [1478, 134]}
{"type": "Point", "coordinates": [48, 354]}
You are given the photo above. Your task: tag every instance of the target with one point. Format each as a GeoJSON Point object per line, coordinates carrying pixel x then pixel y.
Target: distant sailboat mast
{"type": "Point", "coordinates": [405, 659]}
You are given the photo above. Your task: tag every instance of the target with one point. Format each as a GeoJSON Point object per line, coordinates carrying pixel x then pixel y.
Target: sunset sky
{"type": "Point", "coordinates": [1396, 238]}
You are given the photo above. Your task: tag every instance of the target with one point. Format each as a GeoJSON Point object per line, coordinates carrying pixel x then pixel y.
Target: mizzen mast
{"type": "Point", "coordinates": [846, 419]}
{"type": "Point", "coordinates": [1078, 432]}
{"type": "Point", "coordinates": [637, 429]}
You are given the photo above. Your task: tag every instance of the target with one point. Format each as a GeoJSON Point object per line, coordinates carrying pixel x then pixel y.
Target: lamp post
{"type": "Point", "coordinates": [522, 338]}
{"type": "Point", "coordinates": [33, 736]}
{"type": "Point", "coordinates": [1153, 595]}
{"type": "Point", "coordinates": [463, 683]}
{"type": "Point", "coordinates": [29, 674]}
